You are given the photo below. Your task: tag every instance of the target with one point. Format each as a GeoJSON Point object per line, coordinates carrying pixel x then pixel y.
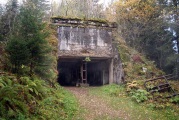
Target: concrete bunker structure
{"type": "Point", "coordinates": [86, 53]}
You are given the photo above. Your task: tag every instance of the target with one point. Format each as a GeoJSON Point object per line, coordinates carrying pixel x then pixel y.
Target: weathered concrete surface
{"type": "Point", "coordinates": [78, 41]}
{"type": "Point", "coordinates": [118, 72]}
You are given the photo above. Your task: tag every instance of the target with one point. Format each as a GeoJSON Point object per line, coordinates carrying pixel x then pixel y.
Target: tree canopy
{"type": "Point", "coordinates": [144, 25]}
{"type": "Point", "coordinates": [148, 26]}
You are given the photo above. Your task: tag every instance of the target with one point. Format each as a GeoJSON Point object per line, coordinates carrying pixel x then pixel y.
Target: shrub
{"type": "Point", "coordinates": [59, 104]}
{"type": "Point", "coordinates": [140, 95]}
{"type": "Point", "coordinates": [26, 98]}
{"type": "Point", "coordinates": [11, 101]}
{"type": "Point", "coordinates": [113, 90]}
{"type": "Point", "coordinates": [175, 100]}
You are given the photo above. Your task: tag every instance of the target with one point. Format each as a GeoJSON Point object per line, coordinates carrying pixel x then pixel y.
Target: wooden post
{"type": "Point", "coordinates": [84, 72]}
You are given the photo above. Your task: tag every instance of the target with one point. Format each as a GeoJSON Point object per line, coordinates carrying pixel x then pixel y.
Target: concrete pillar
{"type": "Point", "coordinates": [111, 71]}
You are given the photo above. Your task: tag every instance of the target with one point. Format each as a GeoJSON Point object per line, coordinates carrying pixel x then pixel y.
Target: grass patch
{"type": "Point", "coordinates": [59, 105]}
{"type": "Point", "coordinates": [116, 97]}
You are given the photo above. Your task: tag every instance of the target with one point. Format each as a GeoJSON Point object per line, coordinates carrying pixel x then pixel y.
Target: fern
{"type": "Point", "coordinates": [11, 101]}
{"type": "Point", "coordinates": [31, 98]}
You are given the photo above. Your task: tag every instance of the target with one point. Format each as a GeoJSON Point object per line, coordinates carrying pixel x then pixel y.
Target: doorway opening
{"type": "Point", "coordinates": [76, 70]}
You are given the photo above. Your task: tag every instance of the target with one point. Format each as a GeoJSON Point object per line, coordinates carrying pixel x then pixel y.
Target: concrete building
{"type": "Point", "coordinates": [86, 53]}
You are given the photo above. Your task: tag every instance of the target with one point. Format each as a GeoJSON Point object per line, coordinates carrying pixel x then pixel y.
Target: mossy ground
{"type": "Point", "coordinates": [112, 102]}
{"type": "Point", "coordinates": [116, 97]}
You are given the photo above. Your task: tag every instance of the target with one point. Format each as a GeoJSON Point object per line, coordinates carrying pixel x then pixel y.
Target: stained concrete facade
{"type": "Point", "coordinates": [86, 52]}
{"type": "Point", "coordinates": [77, 41]}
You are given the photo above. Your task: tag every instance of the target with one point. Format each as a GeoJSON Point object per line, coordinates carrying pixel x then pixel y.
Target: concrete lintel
{"type": "Point", "coordinates": [82, 57]}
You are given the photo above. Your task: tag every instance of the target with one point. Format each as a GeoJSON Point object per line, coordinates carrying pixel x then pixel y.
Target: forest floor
{"type": "Point", "coordinates": [94, 107]}
{"type": "Point", "coordinates": [96, 104]}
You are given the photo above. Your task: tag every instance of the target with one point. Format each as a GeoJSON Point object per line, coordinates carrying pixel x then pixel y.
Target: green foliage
{"type": "Point", "coordinates": [11, 103]}
{"type": "Point", "coordinates": [28, 50]}
{"type": "Point", "coordinates": [142, 29]}
{"type": "Point", "coordinates": [175, 100]}
{"type": "Point", "coordinates": [58, 105]}
{"type": "Point", "coordinates": [66, 17]}
{"type": "Point", "coordinates": [70, 104]}
{"type": "Point", "coordinates": [98, 20]}
{"type": "Point", "coordinates": [20, 96]}
{"type": "Point", "coordinates": [87, 59]}
{"type": "Point", "coordinates": [18, 53]}
{"type": "Point", "coordinates": [144, 110]}
{"type": "Point", "coordinates": [140, 95]}
{"type": "Point", "coordinates": [35, 87]}
{"type": "Point", "coordinates": [133, 69]}
{"type": "Point", "coordinates": [26, 98]}
{"type": "Point", "coordinates": [124, 53]}
{"type": "Point", "coordinates": [35, 37]}
{"type": "Point", "coordinates": [113, 89]}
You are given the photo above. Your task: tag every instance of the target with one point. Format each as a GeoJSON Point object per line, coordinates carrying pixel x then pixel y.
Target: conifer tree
{"type": "Point", "coordinates": [32, 30]}
{"type": "Point", "coordinates": [18, 53]}
{"type": "Point", "coordinates": [28, 45]}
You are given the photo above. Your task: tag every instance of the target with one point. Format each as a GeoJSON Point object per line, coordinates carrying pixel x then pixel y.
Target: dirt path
{"type": "Point", "coordinates": [95, 107]}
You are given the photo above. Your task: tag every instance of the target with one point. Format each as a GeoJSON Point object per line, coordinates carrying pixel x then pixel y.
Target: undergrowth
{"type": "Point", "coordinates": [138, 69]}
{"type": "Point", "coordinates": [31, 98]}
{"type": "Point", "coordinates": [138, 104]}
{"type": "Point", "coordinates": [134, 62]}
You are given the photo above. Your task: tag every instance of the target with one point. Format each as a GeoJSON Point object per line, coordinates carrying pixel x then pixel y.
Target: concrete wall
{"type": "Point", "coordinates": [79, 39]}
{"type": "Point", "coordinates": [84, 41]}
{"type": "Point", "coordinates": [118, 72]}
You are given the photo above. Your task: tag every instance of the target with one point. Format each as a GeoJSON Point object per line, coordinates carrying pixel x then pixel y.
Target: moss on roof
{"type": "Point", "coordinates": [66, 18]}
{"type": "Point", "coordinates": [83, 21]}
{"type": "Point", "coordinates": [80, 19]}
{"type": "Point", "coordinates": [98, 20]}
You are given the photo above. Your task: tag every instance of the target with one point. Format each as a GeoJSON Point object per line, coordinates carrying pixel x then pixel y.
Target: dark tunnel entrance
{"type": "Point", "coordinates": [74, 70]}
